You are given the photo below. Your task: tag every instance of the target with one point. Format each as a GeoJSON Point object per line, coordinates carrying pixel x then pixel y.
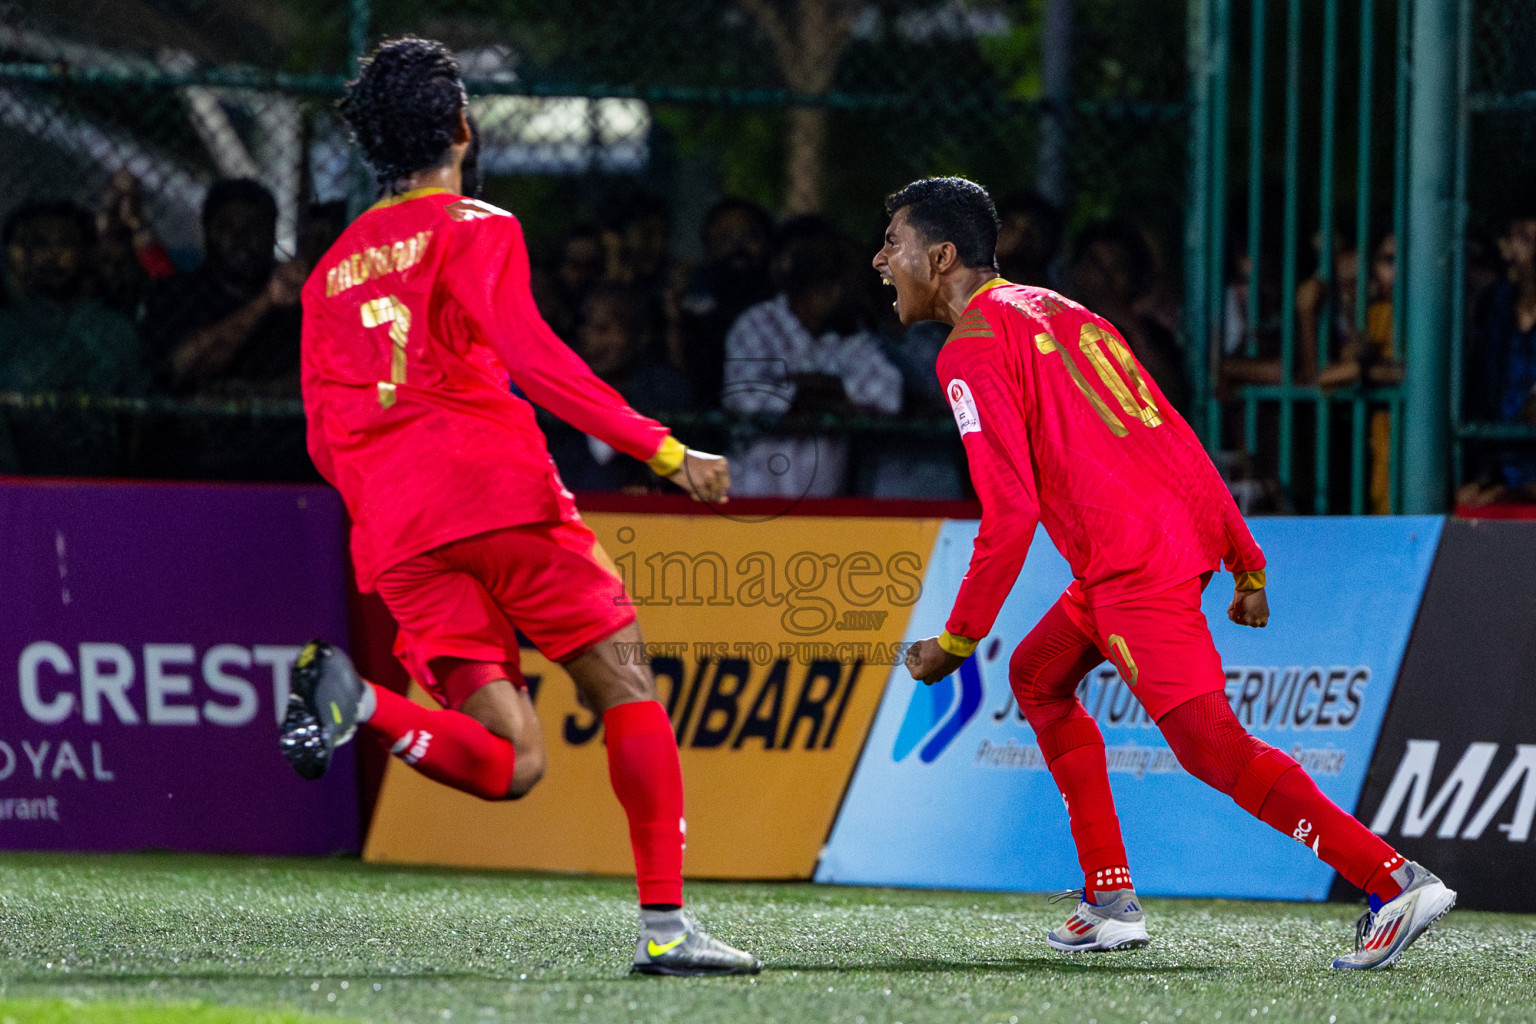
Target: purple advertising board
{"type": "Point", "coordinates": [146, 637]}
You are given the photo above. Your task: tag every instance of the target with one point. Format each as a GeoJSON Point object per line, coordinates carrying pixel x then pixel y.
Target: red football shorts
{"type": "Point", "coordinates": [459, 606]}
{"type": "Point", "coordinates": [1161, 644]}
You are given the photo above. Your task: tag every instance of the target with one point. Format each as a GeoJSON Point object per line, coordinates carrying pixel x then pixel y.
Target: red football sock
{"type": "Point", "coordinates": [446, 746]}
{"type": "Point", "coordinates": [1074, 751]}
{"type": "Point", "coordinates": [648, 780]}
{"type": "Point", "coordinates": [1214, 747]}
{"type": "Point", "coordinates": [1298, 808]}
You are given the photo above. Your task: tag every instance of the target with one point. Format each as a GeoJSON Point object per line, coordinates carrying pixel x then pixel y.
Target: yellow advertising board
{"type": "Point", "coordinates": [771, 643]}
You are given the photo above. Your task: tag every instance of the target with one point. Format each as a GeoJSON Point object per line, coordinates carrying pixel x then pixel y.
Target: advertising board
{"type": "Point", "coordinates": [1453, 783]}
{"type": "Point", "coordinates": [144, 665]}
{"type": "Point", "coordinates": [952, 791]}
{"type": "Point", "coordinates": [770, 641]}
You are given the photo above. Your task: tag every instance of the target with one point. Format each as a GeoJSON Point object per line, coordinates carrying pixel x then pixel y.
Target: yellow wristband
{"type": "Point", "coordinates": [668, 458]}
{"type": "Point", "coordinates": [1251, 579]}
{"type": "Point", "coordinates": [959, 646]}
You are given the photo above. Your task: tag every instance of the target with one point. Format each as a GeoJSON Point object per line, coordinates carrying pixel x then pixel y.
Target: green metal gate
{"type": "Point", "coordinates": [1495, 175]}
{"type": "Point", "coordinates": [1310, 114]}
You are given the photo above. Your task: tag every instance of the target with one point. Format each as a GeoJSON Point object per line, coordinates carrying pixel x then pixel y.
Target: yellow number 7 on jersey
{"type": "Point", "coordinates": [1089, 339]}
{"type": "Point", "coordinates": [390, 310]}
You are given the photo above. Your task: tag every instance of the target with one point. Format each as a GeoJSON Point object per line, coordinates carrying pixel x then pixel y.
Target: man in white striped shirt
{"type": "Point", "coordinates": [803, 352]}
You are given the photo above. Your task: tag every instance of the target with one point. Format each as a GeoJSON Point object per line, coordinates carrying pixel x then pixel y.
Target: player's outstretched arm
{"type": "Point", "coordinates": [707, 477]}
{"type": "Point", "coordinates": [928, 662]}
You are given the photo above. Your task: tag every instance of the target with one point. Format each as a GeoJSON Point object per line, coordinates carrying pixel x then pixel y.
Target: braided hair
{"type": "Point", "coordinates": [404, 106]}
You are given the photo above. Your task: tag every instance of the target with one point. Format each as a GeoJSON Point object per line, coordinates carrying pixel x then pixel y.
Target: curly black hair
{"type": "Point", "coordinates": [953, 210]}
{"type": "Point", "coordinates": [404, 106]}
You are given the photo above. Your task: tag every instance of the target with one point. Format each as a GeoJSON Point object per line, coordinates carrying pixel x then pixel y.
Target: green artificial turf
{"type": "Point", "coordinates": [200, 940]}
{"type": "Point", "coordinates": [75, 1011]}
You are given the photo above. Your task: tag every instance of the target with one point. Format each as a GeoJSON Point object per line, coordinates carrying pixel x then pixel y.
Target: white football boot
{"type": "Point", "coordinates": [1119, 924]}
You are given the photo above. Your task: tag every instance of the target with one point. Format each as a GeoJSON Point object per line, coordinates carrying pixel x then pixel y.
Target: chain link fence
{"type": "Point", "coordinates": [131, 109]}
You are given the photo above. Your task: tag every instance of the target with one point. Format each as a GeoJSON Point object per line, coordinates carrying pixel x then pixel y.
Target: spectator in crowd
{"type": "Point", "coordinates": [738, 242]}
{"type": "Point", "coordinates": [642, 224]}
{"type": "Point", "coordinates": [1111, 272]}
{"type": "Point", "coordinates": [129, 257]}
{"type": "Point", "coordinates": [1248, 352]}
{"type": "Point", "coordinates": [55, 335]}
{"type": "Point", "coordinates": [804, 352]}
{"type": "Point", "coordinates": [636, 247]}
{"type": "Point", "coordinates": [561, 291]}
{"type": "Point", "coordinates": [614, 332]}
{"type": "Point", "coordinates": [232, 325]}
{"type": "Point", "coordinates": [319, 228]}
{"type": "Point", "coordinates": [1237, 277]}
{"type": "Point", "coordinates": [613, 338]}
{"type": "Point", "coordinates": [1504, 348]}
{"type": "Point", "coordinates": [920, 467]}
{"type": "Point", "coordinates": [1335, 297]}
{"type": "Point", "coordinates": [1368, 357]}
{"type": "Point", "coordinates": [1029, 237]}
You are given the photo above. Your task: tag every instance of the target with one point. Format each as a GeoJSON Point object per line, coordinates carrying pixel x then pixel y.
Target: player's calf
{"type": "Point", "coordinates": [505, 709]}
{"type": "Point", "coordinates": [329, 701]}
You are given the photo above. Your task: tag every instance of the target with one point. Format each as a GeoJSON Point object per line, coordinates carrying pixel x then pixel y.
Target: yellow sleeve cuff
{"type": "Point", "coordinates": [668, 458]}
{"type": "Point", "coordinates": [959, 646]}
{"type": "Point", "coordinates": [1252, 579]}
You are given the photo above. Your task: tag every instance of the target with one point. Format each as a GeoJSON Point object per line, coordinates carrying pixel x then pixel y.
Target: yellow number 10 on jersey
{"type": "Point", "coordinates": [1093, 340]}
{"type": "Point", "coordinates": [390, 310]}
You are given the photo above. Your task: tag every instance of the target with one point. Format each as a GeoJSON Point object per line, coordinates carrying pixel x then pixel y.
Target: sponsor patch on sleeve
{"type": "Point", "coordinates": [964, 407]}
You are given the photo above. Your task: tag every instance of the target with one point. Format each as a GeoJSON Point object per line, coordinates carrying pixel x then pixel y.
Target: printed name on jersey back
{"type": "Point", "coordinates": [375, 262]}
{"type": "Point", "coordinates": [964, 406]}
{"type": "Point", "coordinates": [1041, 304]}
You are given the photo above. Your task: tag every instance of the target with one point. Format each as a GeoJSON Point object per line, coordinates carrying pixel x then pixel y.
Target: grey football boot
{"type": "Point", "coordinates": [326, 700]}
{"type": "Point", "coordinates": [1381, 935]}
{"type": "Point", "coordinates": [1119, 924]}
{"type": "Point", "coordinates": [671, 942]}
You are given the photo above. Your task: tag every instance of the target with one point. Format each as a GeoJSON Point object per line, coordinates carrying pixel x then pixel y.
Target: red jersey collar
{"type": "Point", "coordinates": [405, 197]}
{"type": "Point", "coordinates": [994, 283]}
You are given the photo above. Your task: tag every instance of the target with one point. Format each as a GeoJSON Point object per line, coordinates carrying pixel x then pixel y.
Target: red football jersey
{"type": "Point", "coordinates": [413, 322]}
{"type": "Point", "coordinates": [1063, 427]}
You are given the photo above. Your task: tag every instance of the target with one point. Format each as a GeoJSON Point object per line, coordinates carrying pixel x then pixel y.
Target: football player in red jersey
{"type": "Point", "coordinates": [1063, 427]}
{"type": "Point", "coordinates": [414, 322]}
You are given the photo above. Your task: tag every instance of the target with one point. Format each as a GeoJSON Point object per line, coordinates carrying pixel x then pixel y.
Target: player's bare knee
{"type": "Point", "coordinates": [527, 773]}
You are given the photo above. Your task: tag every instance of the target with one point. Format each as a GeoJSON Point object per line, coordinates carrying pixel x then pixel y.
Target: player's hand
{"type": "Point", "coordinates": [928, 662]}
{"type": "Point", "coordinates": [707, 477]}
{"type": "Point", "coordinates": [1249, 608]}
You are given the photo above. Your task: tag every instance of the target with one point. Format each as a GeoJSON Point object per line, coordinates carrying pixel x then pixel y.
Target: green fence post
{"type": "Point", "coordinates": [359, 31]}
{"type": "Point", "coordinates": [359, 28]}
{"type": "Point", "coordinates": [1255, 214]}
{"type": "Point", "coordinates": [1326, 268]}
{"type": "Point", "coordinates": [1197, 224]}
{"type": "Point", "coordinates": [1201, 359]}
{"type": "Point", "coordinates": [1429, 287]}
{"type": "Point", "coordinates": [1291, 227]}
{"type": "Point", "coordinates": [1459, 242]}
